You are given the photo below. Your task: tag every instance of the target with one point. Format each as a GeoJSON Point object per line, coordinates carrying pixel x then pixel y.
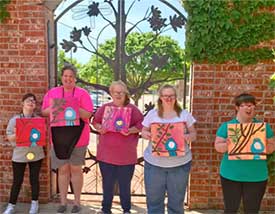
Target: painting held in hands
{"type": "Point", "coordinates": [64, 112]}
{"type": "Point", "coordinates": [30, 132]}
{"type": "Point", "coordinates": [246, 141]}
{"type": "Point", "coordinates": [168, 139]}
{"type": "Point", "coordinates": [116, 119]}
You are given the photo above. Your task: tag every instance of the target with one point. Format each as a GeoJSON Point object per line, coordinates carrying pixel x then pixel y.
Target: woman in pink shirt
{"type": "Point", "coordinates": [117, 149]}
{"type": "Point", "coordinates": [70, 169]}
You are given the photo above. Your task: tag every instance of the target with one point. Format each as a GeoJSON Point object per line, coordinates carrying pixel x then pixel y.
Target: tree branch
{"type": "Point", "coordinates": [96, 86]}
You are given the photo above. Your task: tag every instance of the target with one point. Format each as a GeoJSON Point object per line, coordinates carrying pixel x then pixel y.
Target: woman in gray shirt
{"type": "Point", "coordinates": [22, 156]}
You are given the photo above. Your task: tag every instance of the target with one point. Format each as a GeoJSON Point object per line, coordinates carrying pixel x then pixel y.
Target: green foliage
{"type": "Point", "coordinates": [4, 14]}
{"type": "Point", "coordinates": [271, 158]}
{"type": "Point", "coordinates": [139, 69]}
{"type": "Point", "coordinates": [271, 167]}
{"type": "Point", "coordinates": [220, 31]}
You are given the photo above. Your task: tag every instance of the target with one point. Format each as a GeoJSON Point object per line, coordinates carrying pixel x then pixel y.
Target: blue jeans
{"type": "Point", "coordinates": [112, 174]}
{"type": "Point", "coordinates": [159, 180]}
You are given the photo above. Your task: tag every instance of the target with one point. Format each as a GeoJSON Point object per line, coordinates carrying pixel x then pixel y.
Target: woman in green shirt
{"type": "Point", "coordinates": [244, 180]}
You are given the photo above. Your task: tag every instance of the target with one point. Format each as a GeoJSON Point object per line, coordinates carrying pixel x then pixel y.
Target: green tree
{"type": "Point", "coordinates": [162, 62]}
{"type": "Point", "coordinates": [121, 59]}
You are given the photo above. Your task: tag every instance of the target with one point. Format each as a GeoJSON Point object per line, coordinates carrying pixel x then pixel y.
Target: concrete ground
{"type": "Point", "coordinates": [92, 205]}
{"type": "Point", "coordinates": [93, 208]}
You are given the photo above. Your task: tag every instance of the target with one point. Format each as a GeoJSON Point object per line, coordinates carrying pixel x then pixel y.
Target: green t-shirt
{"type": "Point", "coordinates": [243, 170]}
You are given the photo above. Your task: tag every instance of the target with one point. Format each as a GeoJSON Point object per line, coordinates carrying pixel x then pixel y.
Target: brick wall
{"type": "Point", "coordinates": [214, 87]}
{"type": "Point", "coordinates": [23, 68]}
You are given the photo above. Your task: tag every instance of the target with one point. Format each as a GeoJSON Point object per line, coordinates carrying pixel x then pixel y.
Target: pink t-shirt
{"type": "Point", "coordinates": [85, 102]}
{"type": "Point", "coordinates": [115, 148]}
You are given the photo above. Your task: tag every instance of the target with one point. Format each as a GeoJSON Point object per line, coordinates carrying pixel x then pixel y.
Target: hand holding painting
{"type": "Point", "coordinates": [245, 141]}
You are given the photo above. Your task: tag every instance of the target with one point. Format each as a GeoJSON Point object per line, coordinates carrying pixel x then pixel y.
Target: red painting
{"type": "Point", "coordinates": [168, 139]}
{"type": "Point", "coordinates": [64, 112]}
{"type": "Point", "coordinates": [30, 132]}
{"type": "Point", "coordinates": [116, 119]}
{"type": "Point", "coordinates": [247, 141]}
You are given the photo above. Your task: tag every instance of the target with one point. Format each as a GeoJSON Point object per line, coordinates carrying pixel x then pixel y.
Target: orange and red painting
{"type": "Point", "coordinates": [168, 139]}
{"type": "Point", "coordinates": [116, 119]}
{"type": "Point", "coordinates": [246, 141]}
{"type": "Point", "coordinates": [64, 112]}
{"type": "Point", "coordinates": [30, 132]}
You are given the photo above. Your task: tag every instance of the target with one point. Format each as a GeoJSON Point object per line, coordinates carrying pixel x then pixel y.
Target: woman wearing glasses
{"type": "Point", "coordinates": [119, 124]}
{"type": "Point", "coordinates": [23, 156]}
{"type": "Point", "coordinates": [243, 179]}
{"type": "Point", "coordinates": [167, 159]}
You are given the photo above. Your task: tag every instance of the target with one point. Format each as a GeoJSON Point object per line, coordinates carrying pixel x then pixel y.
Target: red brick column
{"type": "Point", "coordinates": [23, 68]}
{"type": "Point", "coordinates": [214, 87]}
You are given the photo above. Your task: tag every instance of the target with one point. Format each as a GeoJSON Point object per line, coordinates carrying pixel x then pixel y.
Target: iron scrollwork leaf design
{"type": "Point", "coordinates": [176, 22]}
{"type": "Point", "coordinates": [93, 9]}
{"type": "Point", "coordinates": [76, 35]}
{"type": "Point", "coordinates": [159, 61]}
{"type": "Point", "coordinates": [156, 22]}
{"type": "Point", "coordinates": [68, 45]}
{"type": "Point", "coordinates": [86, 30]}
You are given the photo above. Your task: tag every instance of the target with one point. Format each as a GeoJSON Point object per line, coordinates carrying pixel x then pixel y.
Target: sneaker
{"type": "Point", "coordinates": [61, 209]}
{"type": "Point", "coordinates": [34, 207]}
{"type": "Point", "coordinates": [10, 209]}
{"type": "Point", "coordinates": [76, 209]}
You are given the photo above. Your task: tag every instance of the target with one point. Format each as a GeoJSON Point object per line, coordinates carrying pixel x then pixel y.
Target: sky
{"type": "Point", "coordinates": [101, 31]}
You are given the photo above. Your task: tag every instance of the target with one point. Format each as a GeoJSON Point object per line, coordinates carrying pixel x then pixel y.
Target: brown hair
{"type": "Point", "coordinates": [26, 96]}
{"type": "Point", "coordinates": [244, 98]}
{"type": "Point", "coordinates": [68, 66]}
{"type": "Point", "coordinates": [177, 107]}
{"type": "Point", "coordinates": [127, 94]}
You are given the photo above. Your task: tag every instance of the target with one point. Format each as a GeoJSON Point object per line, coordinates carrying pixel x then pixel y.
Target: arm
{"type": "Point", "coordinates": [84, 114]}
{"type": "Point", "coordinates": [191, 135]}
{"type": "Point", "coordinates": [11, 138]}
{"type": "Point", "coordinates": [11, 131]}
{"type": "Point", "coordinates": [145, 133]}
{"type": "Point", "coordinates": [99, 128]}
{"type": "Point", "coordinates": [270, 148]}
{"type": "Point", "coordinates": [46, 112]}
{"type": "Point", "coordinates": [220, 145]}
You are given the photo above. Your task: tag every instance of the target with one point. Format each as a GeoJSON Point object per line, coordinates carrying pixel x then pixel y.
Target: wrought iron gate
{"type": "Point", "coordinates": [130, 40]}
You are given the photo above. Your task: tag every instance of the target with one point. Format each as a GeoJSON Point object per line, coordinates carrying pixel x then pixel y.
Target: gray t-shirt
{"type": "Point", "coordinates": [172, 161]}
{"type": "Point", "coordinates": [19, 153]}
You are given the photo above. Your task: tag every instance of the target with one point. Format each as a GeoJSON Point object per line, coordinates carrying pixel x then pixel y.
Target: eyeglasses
{"type": "Point", "coordinates": [30, 101]}
{"type": "Point", "coordinates": [168, 96]}
{"type": "Point", "coordinates": [247, 106]}
{"type": "Point", "coordinates": [118, 93]}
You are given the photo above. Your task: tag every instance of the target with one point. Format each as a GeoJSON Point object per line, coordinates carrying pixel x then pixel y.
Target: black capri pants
{"type": "Point", "coordinates": [251, 194]}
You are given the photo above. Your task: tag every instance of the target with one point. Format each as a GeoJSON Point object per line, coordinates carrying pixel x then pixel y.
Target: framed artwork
{"type": "Point", "coordinates": [168, 139]}
{"type": "Point", "coordinates": [64, 112]}
{"type": "Point", "coordinates": [116, 119]}
{"type": "Point", "coordinates": [246, 141]}
{"type": "Point", "coordinates": [30, 132]}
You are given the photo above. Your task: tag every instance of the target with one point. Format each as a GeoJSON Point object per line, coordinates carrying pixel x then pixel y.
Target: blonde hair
{"type": "Point", "coordinates": [124, 86]}
{"type": "Point", "coordinates": [177, 107]}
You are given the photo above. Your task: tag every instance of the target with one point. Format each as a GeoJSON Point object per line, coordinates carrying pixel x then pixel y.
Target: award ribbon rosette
{"type": "Point", "coordinates": [168, 139]}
